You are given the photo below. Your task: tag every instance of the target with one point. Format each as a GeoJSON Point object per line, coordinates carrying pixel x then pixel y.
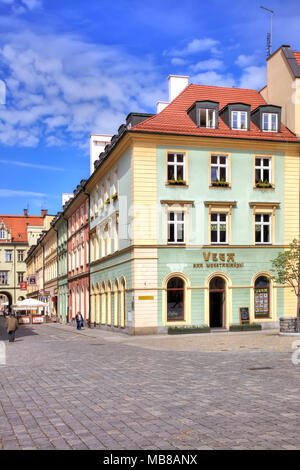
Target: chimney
{"type": "Point", "coordinates": [160, 105]}
{"type": "Point", "coordinates": [44, 212]}
{"type": "Point", "coordinates": [25, 212]}
{"type": "Point", "coordinates": [97, 144]}
{"type": "Point", "coordinates": [177, 83]}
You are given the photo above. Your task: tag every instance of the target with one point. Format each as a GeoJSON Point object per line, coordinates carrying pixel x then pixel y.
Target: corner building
{"type": "Point", "coordinates": [188, 207]}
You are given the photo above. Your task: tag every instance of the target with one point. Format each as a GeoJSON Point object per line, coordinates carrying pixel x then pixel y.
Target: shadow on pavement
{"type": "Point", "coordinates": [22, 331]}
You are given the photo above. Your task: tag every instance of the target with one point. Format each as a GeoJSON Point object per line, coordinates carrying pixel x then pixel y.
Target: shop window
{"type": "Point", "coordinates": [262, 297]}
{"type": "Point", "coordinates": [175, 299]}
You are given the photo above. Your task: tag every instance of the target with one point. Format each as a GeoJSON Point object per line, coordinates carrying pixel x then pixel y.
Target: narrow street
{"type": "Point", "coordinates": [61, 389]}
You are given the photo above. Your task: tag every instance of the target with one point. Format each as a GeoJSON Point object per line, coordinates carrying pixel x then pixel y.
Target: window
{"type": "Point", "coordinates": [176, 168]}
{"type": "Point", "coordinates": [20, 278]}
{"type": "Point", "coordinates": [263, 170]}
{"type": "Point", "coordinates": [175, 299]}
{"type": "Point", "coordinates": [8, 256]}
{"type": "Point", "coordinates": [3, 277]}
{"type": "Point", "coordinates": [20, 255]}
{"type": "Point", "coordinates": [218, 169]}
{"type": "Point", "coordinates": [262, 228]}
{"type": "Point", "coordinates": [270, 122]}
{"type": "Point", "coordinates": [218, 228]}
{"type": "Point", "coordinates": [82, 214]}
{"type": "Point", "coordinates": [239, 120]}
{"type": "Point", "coordinates": [2, 234]}
{"type": "Point", "coordinates": [262, 297]}
{"type": "Point", "coordinates": [207, 118]}
{"type": "Point", "coordinates": [175, 227]}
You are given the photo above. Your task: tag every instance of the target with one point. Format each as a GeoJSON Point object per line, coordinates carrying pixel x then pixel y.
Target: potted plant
{"type": "Point", "coordinates": [220, 182]}
{"type": "Point", "coordinates": [107, 201]}
{"type": "Point", "coordinates": [114, 196]}
{"type": "Point", "coordinates": [263, 184]}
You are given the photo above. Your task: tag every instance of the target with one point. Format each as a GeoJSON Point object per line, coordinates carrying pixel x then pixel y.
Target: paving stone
{"type": "Point", "coordinates": [147, 393]}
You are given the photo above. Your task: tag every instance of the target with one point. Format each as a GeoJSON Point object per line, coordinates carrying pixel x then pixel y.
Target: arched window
{"type": "Point", "coordinates": [262, 297]}
{"type": "Point", "coordinates": [175, 299]}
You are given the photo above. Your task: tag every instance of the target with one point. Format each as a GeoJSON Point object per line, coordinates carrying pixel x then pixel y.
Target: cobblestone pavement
{"type": "Point", "coordinates": [61, 389]}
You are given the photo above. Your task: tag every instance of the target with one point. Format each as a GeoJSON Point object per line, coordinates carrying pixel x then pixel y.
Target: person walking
{"type": "Point", "coordinates": [79, 321]}
{"type": "Point", "coordinates": [11, 327]}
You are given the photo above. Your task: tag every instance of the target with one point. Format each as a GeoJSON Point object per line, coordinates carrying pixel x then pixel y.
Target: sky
{"type": "Point", "coordinates": [71, 68]}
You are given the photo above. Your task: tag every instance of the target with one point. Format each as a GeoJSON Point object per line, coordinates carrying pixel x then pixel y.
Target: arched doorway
{"type": "Point", "coordinates": [5, 301]}
{"type": "Point", "coordinates": [217, 302]}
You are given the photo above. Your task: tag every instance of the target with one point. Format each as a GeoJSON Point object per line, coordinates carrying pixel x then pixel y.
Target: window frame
{"type": "Point", "coordinates": [269, 122]}
{"type": "Point", "coordinates": [176, 223]}
{"type": "Point", "coordinates": [206, 118]}
{"type": "Point", "coordinates": [218, 223]}
{"type": "Point", "coordinates": [271, 170]}
{"type": "Point", "coordinates": [219, 165]}
{"type": "Point", "coordinates": [262, 223]}
{"type": "Point", "coordinates": [177, 152]}
{"type": "Point", "coordinates": [239, 114]}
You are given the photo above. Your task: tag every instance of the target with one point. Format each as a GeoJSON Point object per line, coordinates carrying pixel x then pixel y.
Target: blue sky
{"type": "Point", "coordinates": [73, 68]}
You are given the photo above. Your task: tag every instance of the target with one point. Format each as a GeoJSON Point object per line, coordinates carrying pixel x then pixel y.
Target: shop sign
{"type": "Point", "coordinates": [23, 285]}
{"type": "Point", "coordinates": [24, 320]}
{"type": "Point", "coordinates": [38, 319]}
{"type": "Point", "coordinates": [218, 260]}
{"type": "Point", "coordinates": [32, 280]}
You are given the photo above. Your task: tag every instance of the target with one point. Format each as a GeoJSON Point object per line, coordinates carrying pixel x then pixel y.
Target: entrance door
{"type": "Point", "coordinates": [217, 293]}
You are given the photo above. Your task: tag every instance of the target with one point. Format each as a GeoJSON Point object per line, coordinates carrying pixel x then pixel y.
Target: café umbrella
{"type": "Point", "coordinates": [29, 304]}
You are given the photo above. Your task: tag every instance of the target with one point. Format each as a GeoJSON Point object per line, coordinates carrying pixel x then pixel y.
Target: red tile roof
{"type": "Point", "coordinates": [18, 225]}
{"type": "Point", "coordinates": [175, 120]}
{"type": "Point", "coordinates": [297, 56]}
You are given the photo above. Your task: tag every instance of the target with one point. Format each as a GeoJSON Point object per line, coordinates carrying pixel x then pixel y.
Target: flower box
{"type": "Point", "coordinates": [177, 182]}
{"type": "Point", "coordinates": [221, 183]}
{"type": "Point", "coordinates": [246, 327]}
{"type": "Point", "coordinates": [184, 330]}
{"type": "Point", "coordinates": [107, 201]}
{"type": "Point", "coordinates": [114, 197]}
{"type": "Point", "coordinates": [263, 184]}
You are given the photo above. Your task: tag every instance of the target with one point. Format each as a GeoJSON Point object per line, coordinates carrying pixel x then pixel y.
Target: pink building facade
{"type": "Point", "coordinates": [77, 214]}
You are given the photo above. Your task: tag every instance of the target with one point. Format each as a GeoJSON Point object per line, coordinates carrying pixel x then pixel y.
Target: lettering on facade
{"type": "Point", "coordinates": [212, 260]}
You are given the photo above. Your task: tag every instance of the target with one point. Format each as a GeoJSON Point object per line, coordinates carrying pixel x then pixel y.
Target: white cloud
{"type": "Point", "coordinates": [195, 46]}
{"type": "Point", "coordinates": [246, 60]}
{"type": "Point", "coordinates": [213, 79]}
{"type": "Point", "coordinates": [17, 193]}
{"type": "Point", "coordinates": [210, 64]}
{"type": "Point", "coordinates": [71, 89]}
{"type": "Point", "coordinates": [31, 165]}
{"type": "Point", "coordinates": [253, 77]}
{"type": "Point", "coordinates": [178, 61]}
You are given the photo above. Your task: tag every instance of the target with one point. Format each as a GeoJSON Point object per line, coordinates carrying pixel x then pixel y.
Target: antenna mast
{"type": "Point", "coordinates": [269, 35]}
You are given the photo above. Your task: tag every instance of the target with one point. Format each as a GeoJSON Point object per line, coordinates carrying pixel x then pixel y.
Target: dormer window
{"type": "Point", "coordinates": [270, 122]}
{"type": "Point", "coordinates": [207, 118]}
{"type": "Point", "coordinates": [239, 120]}
{"type": "Point", "coordinates": [204, 114]}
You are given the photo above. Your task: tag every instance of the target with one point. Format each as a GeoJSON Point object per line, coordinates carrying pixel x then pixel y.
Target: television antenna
{"type": "Point", "coordinates": [269, 35]}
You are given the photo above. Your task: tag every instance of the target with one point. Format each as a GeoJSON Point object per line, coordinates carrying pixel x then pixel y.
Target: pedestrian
{"type": "Point", "coordinates": [79, 321]}
{"type": "Point", "coordinates": [11, 326]}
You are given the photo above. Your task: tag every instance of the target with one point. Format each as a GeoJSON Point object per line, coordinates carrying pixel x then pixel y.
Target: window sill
{"type": "Point", "coordinates": [176, 185]}
{"type": "Point", "coordinates": [266, 188]}
{"type": "Point", "coordinates": [219, 186]}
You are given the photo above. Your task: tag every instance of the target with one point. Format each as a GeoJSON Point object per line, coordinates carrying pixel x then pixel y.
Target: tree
{"type": "Point", "coordinates": [287, 269]}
